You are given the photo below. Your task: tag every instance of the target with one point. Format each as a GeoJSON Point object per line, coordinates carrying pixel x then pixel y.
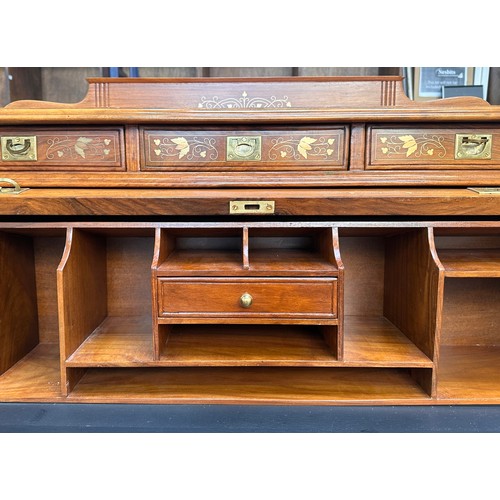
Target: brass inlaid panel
{"type": "Point", "coordinates": [58, 149]}
{"type": "Point", "coordinates": [433, 148]}
{"type": "Point", "coordinates": [273, 149]}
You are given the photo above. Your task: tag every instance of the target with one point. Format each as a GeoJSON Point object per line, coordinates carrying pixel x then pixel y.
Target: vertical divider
{"type": "Point", "coordinates": [82, 296]}
{"type": "Point", "coordinates": [413, 290]}
{"type": "Point", "coordinates": [328, 243]}
{"type": "Point", "coordinates": [244, 249]}
{"type": "Point", "coordinates": [164, 245]}
{"type": "Point", "coordinates": [340, 293]}
{"type": "Point", "coordinates": [18, 305]}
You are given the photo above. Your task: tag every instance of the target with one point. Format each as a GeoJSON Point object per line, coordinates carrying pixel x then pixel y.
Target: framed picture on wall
{"type": "Point", "coordinates": [429, 82]}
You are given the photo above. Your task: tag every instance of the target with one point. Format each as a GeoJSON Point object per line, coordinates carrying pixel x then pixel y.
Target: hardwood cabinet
{"type": "Point", "coordinates": [269, 241]}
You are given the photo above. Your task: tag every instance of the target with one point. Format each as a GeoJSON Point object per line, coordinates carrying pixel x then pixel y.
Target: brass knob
{"type": "Point", "coordinates": [246, 300]}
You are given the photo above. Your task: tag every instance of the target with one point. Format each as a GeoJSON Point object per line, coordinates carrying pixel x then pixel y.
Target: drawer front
{"type": "Point", "coordinates": [451, 148]}
{"type": "Point", "coordinates": [244, 149]}
{"type": "Point", "coordinates": [268, 297]}
{"type": "Point", "coordinates": [62, 149]}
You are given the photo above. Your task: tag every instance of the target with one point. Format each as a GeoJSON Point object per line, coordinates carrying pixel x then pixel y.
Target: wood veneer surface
{"type": "Point", "coordinates": [127, 342]}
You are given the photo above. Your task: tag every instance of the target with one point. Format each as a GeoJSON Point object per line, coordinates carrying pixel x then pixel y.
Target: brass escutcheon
{"type": "Point", "coordinates": [473, 147]}
{"type": "Point", "coordinates": [244, 148]}
{"type": "Point", "coordinates": [21, 148]}
{"type": "Point", "coordinates": [251, 207]}
{"type": "Point", "coordinates": [246, 300]}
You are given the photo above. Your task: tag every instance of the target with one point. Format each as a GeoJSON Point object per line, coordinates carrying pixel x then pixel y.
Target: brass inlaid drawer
{"type": "Point", "coordinates": [433, 147]}
{"type": "Point", "coordinates": [249, 297]}
{"type": "Point", "coordinates": [257, 149]}
{"type": "Point", "coordinates": [62, 149]}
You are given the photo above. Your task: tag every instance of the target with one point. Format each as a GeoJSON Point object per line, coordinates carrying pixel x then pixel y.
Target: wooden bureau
{"type": "Point", "coordinates": [255, 241]}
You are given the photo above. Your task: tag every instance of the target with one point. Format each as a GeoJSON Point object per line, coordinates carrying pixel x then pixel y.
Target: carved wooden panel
{"type": "Point", "coordinates": [428, 147]}
{"type": "Point", "coordinates": [279, 149]}
{"type": "Point", "coordinates": [67, 149]}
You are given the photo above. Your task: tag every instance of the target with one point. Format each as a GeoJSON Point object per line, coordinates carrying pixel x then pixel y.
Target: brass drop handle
{"type": "Point", "coordinates": [18, 146]}
{"type": "Point", "coordinates": [473, 146]}
{"type": "Point", "coordinates": [246, 300]}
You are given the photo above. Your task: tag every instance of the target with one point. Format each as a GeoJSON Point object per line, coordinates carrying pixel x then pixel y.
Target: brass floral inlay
{"type": "Point", "coordinates": [70, 148]}
{"type": "Point", "coordinates": [408, 145]}
{"type": "Point", "coordinates": [309, 148]}
{"type": "Point", "coordinates": [192, 148]}
{"type": "Point", "coordinates": [244, 102]}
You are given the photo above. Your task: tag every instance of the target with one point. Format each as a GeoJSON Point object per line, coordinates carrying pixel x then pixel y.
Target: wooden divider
{"type": "Point", "coordinates": [82, 296]}
{"type": "Point", "coordinates": [18, 305]}
{"type": "Point", "coordinates": [413, 291]}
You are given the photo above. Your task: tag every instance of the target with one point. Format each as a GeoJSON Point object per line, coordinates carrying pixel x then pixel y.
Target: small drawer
{"type": "Point", "coordinates": [429, 147]}
{"type": "Point", "coordinates": [256, 149]}
{"type": "Point", "coordinates": [293, 298]}
{"type": "Point", "coordinates": [62, 149]}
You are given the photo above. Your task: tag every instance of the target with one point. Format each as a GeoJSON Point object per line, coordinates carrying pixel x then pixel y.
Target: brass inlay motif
{"type": "Point", "coordinates": [190, 148]}
{"type": "Point", "coordinates": [71, 148]}
{"type": "Point", "coordinates": [244, 102]}
{"type": "Point", "coordinates": [251, 207]}
{"type": "Point", "coordinates": [473, 147]}
{"type": "Point", "coordinates": [244, 148]}
{"type": "Point", "coordinates": [408, 145]}
{"type": "Point", "coordinates": [309, 148]}
{"type": "Point", "coordinates": [19, 148]}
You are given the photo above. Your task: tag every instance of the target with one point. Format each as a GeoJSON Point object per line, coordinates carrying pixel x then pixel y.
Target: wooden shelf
{"type": "Point", "coordinates": [36, 378]}
{"type": "Point", "coordinates": [246, 345]}
{"type": "Point", "coordinates": [289, 262]}
{"type": "Point", "coordinates": [469, 373]}
{"type": "Point", "coordinates": [202, 263]}
{"type": "Point", "coordinates": [249, 386]}
{"type": "Point", "coordinates": [375, 341]}
{"type": "Point", "coordinates": [263, 262]}
{"type": "Point", "coordinates": [118, 341]}
{"type": "Point", "coordinates": [127, 342]}
{"type": "Point", "coordinates": [471, 263]}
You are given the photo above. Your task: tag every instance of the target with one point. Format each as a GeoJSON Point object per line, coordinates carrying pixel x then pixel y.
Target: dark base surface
{"type": "Point", "coordinates": [39, 418]}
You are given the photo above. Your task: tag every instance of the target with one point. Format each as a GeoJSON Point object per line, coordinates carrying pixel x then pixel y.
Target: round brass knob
{"type": "Point", "coordinates": [246, 300]}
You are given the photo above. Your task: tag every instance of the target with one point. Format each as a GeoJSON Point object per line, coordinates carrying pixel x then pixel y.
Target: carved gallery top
{"type": "Point", "coordinates": [295, 132]}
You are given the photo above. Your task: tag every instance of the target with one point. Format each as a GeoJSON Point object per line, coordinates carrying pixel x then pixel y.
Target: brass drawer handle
{"type": "Point", "coordinates": [244, 148]}
{"type": "Point", "coordinates": [475, 147]}
{"type": "Point", "coordinates": [246, 300]}
{"type": "Point", "coordinates": [19, 148]}
{"type": "Point", "coordinates": [15, 189]}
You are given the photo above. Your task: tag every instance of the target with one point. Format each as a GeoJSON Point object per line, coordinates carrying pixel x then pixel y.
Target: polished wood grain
{"type": "Point", "coordinates": [202, 298]}
{"type": "Point", "coordinates": [126, 342]}
{"type": "Point", "coordinates": [48, 253]}
{"type": "Point", "coordinates": [413, 286]}
{"type": "Point", "coordinates": [35, 378]}
{"type": "Point", "coordinates": [117, 341]}
{"type": "Point", "coordinates": [471, 263]}
{"type": "Point", "coordinates": [471, 312]}
{"type": "Point", "coordinates": [289, 202]}
{"type": "Point", "coordinates": [374, 340]}
{"type": "Point", "coordinates": [470, 373]}
{"type": "Point", "coordinates": [18, 310]}
{"type": "Point", "coordinates": [413, 293]}
{"type": "Point", "coordinates": [230, 93]}
{"type": "Point", "coordinates": [82, 295]}
{"type": "Point", "coordinates": [249, 386]}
